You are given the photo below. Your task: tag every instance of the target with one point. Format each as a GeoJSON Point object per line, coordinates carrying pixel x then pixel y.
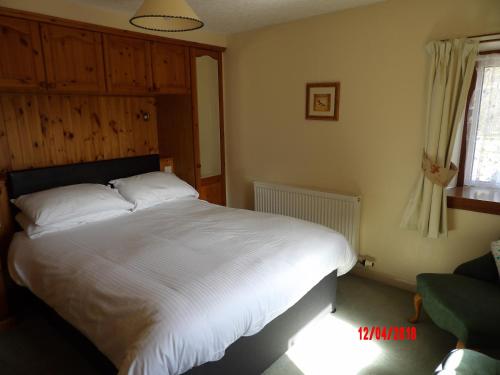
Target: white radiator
{"type": "Point", "coordinates": [336, 211]}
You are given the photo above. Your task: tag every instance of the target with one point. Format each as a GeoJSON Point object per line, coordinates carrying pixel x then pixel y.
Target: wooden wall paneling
{"type": "Point", "coordinates": [170, 67]}
{"type": "Point", "coordinates": [79, 110]}
{"type": "Point", "coordinates": [75, 127]}
{"type": "Point", "coordinates": [151, 135]}
{"type": "Point", "coordinates": [96, 126]}
{"type": "Point", "coordinates": [25, 135]}
{"type": "Point", "coordinates": [138, 125]}
{"type": "Point", "coordinates": [145, 131]}
{"type": "Point", "coordinates": [116, 126]}
{"type": "Point", "coordinates": [74, 59]}
{"type": "Point", "coordinates": [175, 134]}
{"type": "Point", "coordinates": [51, 113]}
{"type": "Point", "coordinates": [24, 68]}
{"type": "Point", "coordinates": [45, 130]}
{"type": "Point", "coordinates": [107, 129]}
{"type": "Point", "coordinates": [126, 132]}
{"type": "Point", "coordinates": [128, 65]}
{"type": "Point", "coordinates": [4, 145]}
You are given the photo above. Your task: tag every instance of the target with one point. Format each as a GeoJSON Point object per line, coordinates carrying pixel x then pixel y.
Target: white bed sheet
{"type": "Point", "coordinates": [165, 289]}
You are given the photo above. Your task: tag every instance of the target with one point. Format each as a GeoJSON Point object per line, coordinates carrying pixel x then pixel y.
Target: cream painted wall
{"type": "Point", "coordinates": [377, 53]}
{"type": "Point", "coordinates": [102, 16]}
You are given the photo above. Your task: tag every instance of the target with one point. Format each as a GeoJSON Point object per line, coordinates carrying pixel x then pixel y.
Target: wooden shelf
{"type": "Point", "coordinates": [476, 199]}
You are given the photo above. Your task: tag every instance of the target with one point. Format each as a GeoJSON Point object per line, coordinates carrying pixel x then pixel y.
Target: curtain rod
{"type": "Point", "coordinates": [485, 38]}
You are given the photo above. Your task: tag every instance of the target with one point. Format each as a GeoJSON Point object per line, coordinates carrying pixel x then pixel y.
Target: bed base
{"type": "Point", "coordinates": [250, 355]}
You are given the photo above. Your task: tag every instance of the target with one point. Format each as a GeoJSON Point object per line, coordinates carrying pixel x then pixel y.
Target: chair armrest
{"type": "Point", "coordinates": [482, 268]}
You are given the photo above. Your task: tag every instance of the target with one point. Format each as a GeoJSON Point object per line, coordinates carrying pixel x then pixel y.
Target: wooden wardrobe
{"type": "Point", "coordinates": [73, 92]}
{"type": "Point", "coordinates": [191, 127]}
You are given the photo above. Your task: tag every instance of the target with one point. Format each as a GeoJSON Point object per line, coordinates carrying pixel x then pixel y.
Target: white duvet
{"type": "Point", "coordinates": [165, 289]}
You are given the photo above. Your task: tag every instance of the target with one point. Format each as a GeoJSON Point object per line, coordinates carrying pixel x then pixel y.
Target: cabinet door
{"type": "Point", "coordinates": [21, 62]}
{"type": "Point", "coordinates": [128, 64]}
{"type": "Point", "coordinates": [170, 68]}
{"type": "Point", "coordinates": [74, 59]}
{"type": "Point", "coordinates": [211, 190]}
{"type": "Point", "coordinates": [206, 75]}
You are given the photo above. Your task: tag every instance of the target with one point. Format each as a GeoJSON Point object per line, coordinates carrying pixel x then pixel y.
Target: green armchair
{"type": "Point", "coordinates": [467, 362]}
{"type": "Point", "coordinates": [465, 303]}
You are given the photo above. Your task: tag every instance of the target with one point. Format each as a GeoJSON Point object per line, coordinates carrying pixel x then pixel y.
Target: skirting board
{"type": "Point", "coordinates": [384, 278]}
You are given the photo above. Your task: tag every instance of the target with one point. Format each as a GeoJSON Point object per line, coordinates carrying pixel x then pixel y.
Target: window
{"type": "Point", "coordinates": [481, 167]}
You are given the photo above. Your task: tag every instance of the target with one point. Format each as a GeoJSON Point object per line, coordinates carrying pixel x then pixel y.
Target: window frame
{"type": "Point", "coordinates": [472, 198]}
{"type": "Point", "coordinates": [465, 131]}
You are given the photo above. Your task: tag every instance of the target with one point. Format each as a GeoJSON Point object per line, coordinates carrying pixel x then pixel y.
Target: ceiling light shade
{"type": "Point", "coordinates": [166, 15]}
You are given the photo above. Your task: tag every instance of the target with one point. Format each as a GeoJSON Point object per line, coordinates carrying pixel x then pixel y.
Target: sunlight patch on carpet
{"type": "Point", "coordinates": [329, 345]}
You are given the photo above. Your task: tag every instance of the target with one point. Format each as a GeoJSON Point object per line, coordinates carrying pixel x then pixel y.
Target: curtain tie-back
{"type": "Point", "coordinates": [436, 174]}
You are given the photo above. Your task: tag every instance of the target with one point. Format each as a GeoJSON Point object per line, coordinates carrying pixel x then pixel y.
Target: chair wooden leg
{"type": "Point", "coordinates": [460, 345]}
{"type": "Point", "coordinates": [417, 302]}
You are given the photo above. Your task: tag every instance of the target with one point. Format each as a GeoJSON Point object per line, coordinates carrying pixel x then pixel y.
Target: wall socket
{"type": "Point", "coordinates": [366, 261]}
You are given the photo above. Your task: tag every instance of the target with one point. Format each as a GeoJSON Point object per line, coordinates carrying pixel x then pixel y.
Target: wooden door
{"type": "Point", "coordinates": [211, 190]}
{"type": "Point", "coordinates": [74, 59]}
{"type": "Point", "coordinates": [170, 68]}
{"type": "Point", "coordinates": [208, 124]}
{"type": "Point", "coordinates": [21, 65]}
{"type": "Point", "coordinates": [128, 65]}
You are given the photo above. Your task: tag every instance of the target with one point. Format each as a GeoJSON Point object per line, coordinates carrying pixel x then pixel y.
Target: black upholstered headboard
{"type": "Point", "coordinates": [97, 172]}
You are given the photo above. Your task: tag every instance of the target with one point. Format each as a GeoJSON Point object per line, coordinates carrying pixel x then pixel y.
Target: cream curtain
{"type": "Point", "coordinates": [452, 66]}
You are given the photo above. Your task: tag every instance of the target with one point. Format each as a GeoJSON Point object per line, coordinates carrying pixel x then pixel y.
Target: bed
{"type": "Point", "coordinates": [182, 287]}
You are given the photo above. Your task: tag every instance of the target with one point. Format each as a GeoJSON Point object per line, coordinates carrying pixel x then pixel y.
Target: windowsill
{"type": "Point", "coordinates": [476, 199]}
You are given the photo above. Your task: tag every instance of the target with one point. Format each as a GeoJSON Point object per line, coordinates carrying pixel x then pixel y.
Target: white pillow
{"type": "Point", "coordinates": [149, 189]}
{"type": "Point", "coordinates": [69, 203]}
{"type": "Point", "coordinates": [34, 231]}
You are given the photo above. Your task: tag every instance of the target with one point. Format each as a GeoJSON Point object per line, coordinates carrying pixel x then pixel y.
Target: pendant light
{"type": "Point", "coordinates": [166, 15]}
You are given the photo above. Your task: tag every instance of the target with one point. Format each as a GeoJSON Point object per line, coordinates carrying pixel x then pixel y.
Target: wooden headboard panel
{"type": "Point", "coordinates": [97, 172]}
{"type": "Point", "coordinates": [6, 222]}
{"type": "Point", "coordinates": [47, 130]}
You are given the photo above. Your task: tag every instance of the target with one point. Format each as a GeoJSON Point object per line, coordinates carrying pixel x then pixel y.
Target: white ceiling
{"type": "Point", "coordinates": [232, 16]}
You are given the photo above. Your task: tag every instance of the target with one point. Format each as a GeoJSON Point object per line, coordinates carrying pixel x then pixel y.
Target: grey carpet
{"type": "Point", "coordinates": [363, 302]}
{"type": "Point", "coordinates": [37, 345]}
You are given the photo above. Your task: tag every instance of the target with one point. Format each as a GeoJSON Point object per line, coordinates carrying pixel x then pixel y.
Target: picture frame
{"type": "Point", "coordinates": [322, 101]}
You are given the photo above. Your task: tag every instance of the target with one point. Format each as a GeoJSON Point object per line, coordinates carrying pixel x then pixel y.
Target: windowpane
{"type": "Point", "coordinates": [482, 166]}
{"type": "Point", "coordinates": [486, 164]}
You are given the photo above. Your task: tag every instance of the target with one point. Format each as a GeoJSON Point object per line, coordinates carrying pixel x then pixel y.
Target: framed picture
{"type": "Point", "coordinates": [322, 101]}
